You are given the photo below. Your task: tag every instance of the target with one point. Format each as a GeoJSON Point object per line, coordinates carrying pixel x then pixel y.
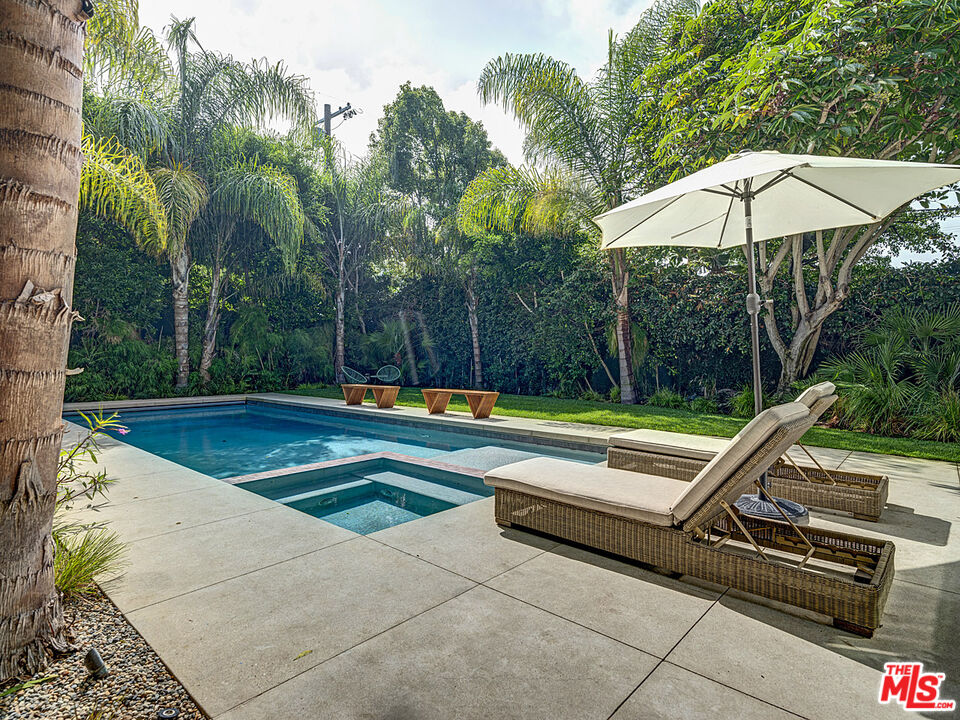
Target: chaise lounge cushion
{"type": "Point", "coordinates": [744, 444]}
{"type": "Point", "coordinates": [815, 393]}
{"type": "Point", "coordinates": [646, 498]}
{"type": "Point", "coordinates": [661, 442]}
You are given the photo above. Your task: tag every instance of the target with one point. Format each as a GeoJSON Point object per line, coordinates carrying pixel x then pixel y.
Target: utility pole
{"type": "Point", "coordinates": [347, 112]}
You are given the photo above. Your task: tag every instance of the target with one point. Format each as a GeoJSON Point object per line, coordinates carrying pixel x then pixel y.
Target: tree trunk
{"type": "Point", "coordinates": [427, 343]}
{"type": "Point", "coordinates": [212, 322]}
{"type": "Point", "coordinates": [474, 330]}
{"type": "Point", "coordinates": [180, 281]}
{"type": "Point", "coordinates": [620, 275]}
{"type": "Point", "coordinates": [41, 55]}
{"type": "Point", "coordinates": [338, 353]}
{"type": "Point", "coordinates": [408, 347]}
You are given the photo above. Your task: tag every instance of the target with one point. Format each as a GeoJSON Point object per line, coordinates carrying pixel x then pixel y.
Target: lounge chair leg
{"type": "Point", "coordinates": [850, 627]}
{"type": "Point", "coordinates": [504, 523]}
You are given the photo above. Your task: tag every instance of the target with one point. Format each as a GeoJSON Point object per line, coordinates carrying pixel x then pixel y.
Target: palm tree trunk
{"type": "Point", "coordinates": [408, 348]}
{"type": "Point", "coordinates": [427, 343]}
{"type": "Point", "coordinates": [41, 53]}
{"type": "Point", "coordinates": [211, 323]}
{"type": "Point", "coordinates": [338, 354]}
{"type": "Point", "coordinates": [621, 293]}
{"type": "Point", "coordinates": [474, 329]}
{"type": "Point", "coordinates": [180, 280]}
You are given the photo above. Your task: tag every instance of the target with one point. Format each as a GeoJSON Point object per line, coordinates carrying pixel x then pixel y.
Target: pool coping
{"type": "Point", "coordinates": [354, 459]}
{"type": "Point", "coordinates": [570, 436]}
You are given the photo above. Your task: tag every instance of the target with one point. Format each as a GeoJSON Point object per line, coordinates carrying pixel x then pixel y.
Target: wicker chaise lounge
{"type": "Point", "coordinates": [687, 525]}
{"type": "Point", "coordinates": [861, 494]}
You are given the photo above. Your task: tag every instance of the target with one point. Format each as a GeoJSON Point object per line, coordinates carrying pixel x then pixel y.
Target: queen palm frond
{"type": "Point", "coordinates": [115, 185]}
{"type": "Point", "coordinates": [183, 194]}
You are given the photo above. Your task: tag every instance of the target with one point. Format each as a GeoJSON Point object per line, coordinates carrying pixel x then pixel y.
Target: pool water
{"type": "Point", "coordinates": [371, 495]}
{"type": "Point", "coordinates": [241, 439]}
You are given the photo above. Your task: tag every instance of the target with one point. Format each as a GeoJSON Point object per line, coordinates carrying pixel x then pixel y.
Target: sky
{"type": "Point", "coordinates": [361, 51]}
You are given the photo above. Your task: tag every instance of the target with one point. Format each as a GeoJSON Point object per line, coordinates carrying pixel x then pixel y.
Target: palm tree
{"type": "Point", "coordinates": [578, 146]}
{"type": "Point", "coordinates": [357, 218]}
{"type": "Point", "coordinates": [174, 119]}
{"type": "Point", "coordinates": [41, 92]}
{"type": "Point", "coordinates": [249, 201]}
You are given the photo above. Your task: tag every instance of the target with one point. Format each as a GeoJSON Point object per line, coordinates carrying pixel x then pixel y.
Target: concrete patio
{"type": "Point", "coordinates": [264, 612]}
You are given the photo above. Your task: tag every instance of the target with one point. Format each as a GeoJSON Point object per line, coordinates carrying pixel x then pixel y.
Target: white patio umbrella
{"type": "Point", "coordinates": [760, 195]}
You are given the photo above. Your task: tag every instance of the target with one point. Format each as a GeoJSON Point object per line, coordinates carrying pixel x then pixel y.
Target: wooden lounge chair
{"type": "Point", "coordinates": [686, 523]}
{"type": "Point", "coordinates": [861, 494]}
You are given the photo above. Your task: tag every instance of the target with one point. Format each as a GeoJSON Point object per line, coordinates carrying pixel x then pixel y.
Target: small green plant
{"type": "Point", "coordinates": [665, 398]}
{"type": "Point", "coordinates": [741, 404]}
{"type": "Point", "coordinates": [592, 396]}
{"type": "Point", "coordinates": [14, 689]}
{"type": "Point", "coordinates": [706, 406]}
{"type": "Point", "coordinates": [615, 394]}
{"type": "Point", "coordinates": [83, 552]}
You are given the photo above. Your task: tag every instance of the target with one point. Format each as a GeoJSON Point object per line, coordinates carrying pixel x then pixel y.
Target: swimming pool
{"type": "Point", "coordinates": [245, 438]}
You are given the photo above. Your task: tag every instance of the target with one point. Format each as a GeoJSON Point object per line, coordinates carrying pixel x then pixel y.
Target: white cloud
{"type": "Point", "coordinates": [361, 52]}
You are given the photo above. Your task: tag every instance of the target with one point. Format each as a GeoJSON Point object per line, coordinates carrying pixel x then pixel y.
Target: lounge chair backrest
{"type": "Point", "coordinates": [747, 456]}
{"type": "Point", "coordinates": [815, 393]}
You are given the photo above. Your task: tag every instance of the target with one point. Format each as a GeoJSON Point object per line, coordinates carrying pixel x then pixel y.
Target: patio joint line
{"type": "Point", "coordinates": [124, 503]}
{"type": "Point", "coordinates": [928, 587]}
{"type": "Point", "coordinates": [355, 645]}
{"type": "Point", "coordinates": [662, 660]}
{"type": "Point", "coordinates": [239, 575]}
{"type": "Point", "coordinates": [454, 572]}
{"type": "Point", "coordinates": [208, 522]}
{"type": "Point", "coordinates": [738, 690]}
{"type": "Point", "coordinates": [572, 622]}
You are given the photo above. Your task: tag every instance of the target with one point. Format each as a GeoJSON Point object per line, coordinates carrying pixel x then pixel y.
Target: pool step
{"type": "Point", "coordinates": [456, 496]}
{"type": "Point", "coordinates": [328, 490]}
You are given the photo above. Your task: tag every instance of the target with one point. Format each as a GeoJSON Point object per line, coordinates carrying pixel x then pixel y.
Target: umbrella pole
{"type": "Point", "coordinates": [762, 504]}
{"type": "Point", "coordinates": [753, 300]}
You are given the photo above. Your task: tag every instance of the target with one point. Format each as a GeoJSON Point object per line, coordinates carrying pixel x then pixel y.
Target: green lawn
{"type": "Point", "coordinates": [646, 416]}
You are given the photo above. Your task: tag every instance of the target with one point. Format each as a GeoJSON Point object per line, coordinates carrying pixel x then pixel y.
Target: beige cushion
{"type": "Point", "coordinates": [737, 451]}
{"type": "Point", "coordinates": [647, 498]}
{"type": "Point", "coordinates": [813, 394]}
{"type": "Point", "coordinates": [661, 442]}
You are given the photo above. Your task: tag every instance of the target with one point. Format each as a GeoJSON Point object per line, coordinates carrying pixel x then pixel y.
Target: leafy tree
{"type": "Point", "coordinates": [580, 130]}
{"type": "Point", "coordinates": [433, 155]}
{"type": "Point", "coordinates": [834, 77]}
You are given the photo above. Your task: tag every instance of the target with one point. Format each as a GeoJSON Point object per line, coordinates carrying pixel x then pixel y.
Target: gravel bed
{"type": "Point", "coordinates": [137, 688]}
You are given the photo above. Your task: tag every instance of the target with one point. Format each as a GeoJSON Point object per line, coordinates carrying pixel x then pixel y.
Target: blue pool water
{"type": "Point", "coordinates": [230, 440]}
{"type": "Point", "coordinates": [371, 495]}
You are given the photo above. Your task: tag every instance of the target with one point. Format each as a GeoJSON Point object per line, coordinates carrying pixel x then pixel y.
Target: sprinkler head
{"type": "Point", "coordinates": [95, 665]}
{"type": "Point", "coordinates": [167, 713]}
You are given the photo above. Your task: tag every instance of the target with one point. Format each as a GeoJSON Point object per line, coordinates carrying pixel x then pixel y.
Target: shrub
{"type": "Point", "coordinates": [667, 399]}
{"type": "Point", "coordinates": [615, 394]}
{"type": "Point", "coordinates": [906, 377]}
{"type": "Point", "coordinates": [704, 405]}
{"type": "Point", "coordinates": [940, 420]}
{"type": "Point", "coordinates": [741, 404]}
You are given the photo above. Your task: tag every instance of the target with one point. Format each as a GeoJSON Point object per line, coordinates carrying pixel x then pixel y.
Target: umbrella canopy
{"type": "Point", "coordinates": [791, 194]}
{"type": "Point", "coordinates": [760, 195]}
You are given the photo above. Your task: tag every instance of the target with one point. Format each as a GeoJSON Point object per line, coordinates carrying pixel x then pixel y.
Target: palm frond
{"type": "Point", "coordinates": [115, 185]}
{"type": "Point", "coordinates": [183, 194]}
{"type": "Point", "coordinates": [266, 196]}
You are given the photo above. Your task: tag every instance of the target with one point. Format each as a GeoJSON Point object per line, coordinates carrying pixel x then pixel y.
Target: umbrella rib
{"type": "Point", "coordinates": [726, 219]}
{"type": "Point", "coordinates": [784, 174]}
{"type": "Point", "coordinates": [629, 230]}
{"type": "Point", "coordinates": [833, 195]}
{"type": "Point", "coordinates": [703, 224]}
